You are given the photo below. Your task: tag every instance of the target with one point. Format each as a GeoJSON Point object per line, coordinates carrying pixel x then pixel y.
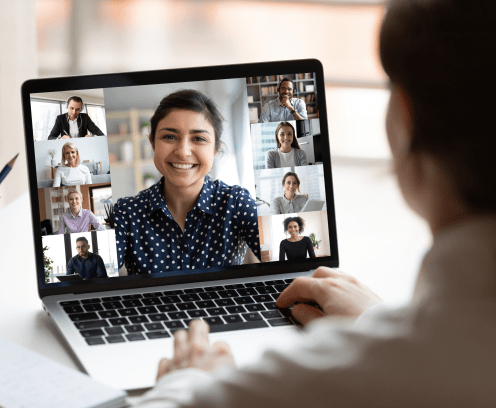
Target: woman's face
{"type": "Point", "coordinates": [75, 201]}
{"type": "Point", "coordinates": [285, 136]}
{"type": "Point", "coordinates": [70, 154]}
{"type": "Point", "coordinates": [293, 229]}
{"type": "Point", "coordinates": [290, 186]}
{"type": "Point", "coordinates": [184, 148]}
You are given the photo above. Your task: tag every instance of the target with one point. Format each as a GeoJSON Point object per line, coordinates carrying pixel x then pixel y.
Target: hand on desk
{"type": "Point", "coordinates": [65, 137]}
{"type": "Point", "coordinates": [336, 292]}
{"type": "Point", "coordinates": [192, 349]}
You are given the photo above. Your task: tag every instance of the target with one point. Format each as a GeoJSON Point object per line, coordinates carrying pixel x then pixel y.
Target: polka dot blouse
{"type": "Point", "coordinates": [217, 230]}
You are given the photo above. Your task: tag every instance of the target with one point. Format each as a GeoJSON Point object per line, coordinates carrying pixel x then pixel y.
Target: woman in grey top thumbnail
{"type": "Point", "coordinates": [288, 152]}
{"type": "Point", "coordinates": [290, 202]}
{"type": "Point", "coordinates": [296, 246]}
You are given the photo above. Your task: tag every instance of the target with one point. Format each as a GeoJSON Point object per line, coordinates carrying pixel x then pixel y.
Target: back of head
{"type": "Point", "coordinates": [441, 53]}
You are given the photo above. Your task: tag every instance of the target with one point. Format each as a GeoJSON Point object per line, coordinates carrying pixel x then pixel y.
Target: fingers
{"type": "Point", "coordinates": [180, 359]}
{"type": "Point", "coordinates": [305, 313]}
{"type": "Point", "coordinates": [198, 340]}
{"type": "Point", "coordinates": [164, 366]}
{"type": "Point", "coordinates": [301, 290]}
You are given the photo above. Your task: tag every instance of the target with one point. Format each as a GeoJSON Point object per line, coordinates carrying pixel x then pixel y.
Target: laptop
{"type": "Point", "coordinates": [145, 275]}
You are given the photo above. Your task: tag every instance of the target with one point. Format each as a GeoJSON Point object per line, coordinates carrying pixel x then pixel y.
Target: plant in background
{"type": "Point", "coordinates": [109, 210]}
{"type": "Point", "coordinates": [51, 153]}
{"type": "Point", "coordinates": [316, 244]}
{"type": "Point", "coordinates": [47, 262]}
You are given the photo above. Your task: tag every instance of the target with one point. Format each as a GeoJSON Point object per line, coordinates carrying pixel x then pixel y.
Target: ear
{"type": "Point", "coordinates": [405, 109]}
{"type": "Point", "coordinates": [152, 142]}
{"type": "Point", "coordinates": [89, 246]}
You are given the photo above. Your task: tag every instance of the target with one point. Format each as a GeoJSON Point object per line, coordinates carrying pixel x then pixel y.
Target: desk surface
{"type": "Point", "coordinates": [380, 241]}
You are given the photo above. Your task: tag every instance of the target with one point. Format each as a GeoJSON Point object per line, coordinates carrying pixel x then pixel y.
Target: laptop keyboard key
{"type": "Point", "coordinates": [257, 324]}
{"type": "Point", "coordinates": [177, 315]}
{"type": "Point", "coordinates": [73, 309]}
{"type": "Point", "coordinates": [83, 316]}
{"type": "Point", "coordinates": [177, 324]}
{"type": "Point", "coordinates": [280, 322]}
{"type": "Point", "coordinates": [115, 339]}
{"type": "Point", "coordinates": [95, 341]}
{"type": "Point", "coordinates": [134, 328]}
{"type": "Point", "coordinates": [128, 312]}
{"type": "Point", "coordinates": [243, 300]}
{"type": "Point", "coordinates": [256, 307]}
{"type": "Point", "coordinates": [114, 330]}
{"type": "Point", "coordinates": [214, 288]}
{"type": "Point", "coordinates": [147, 310]}
{"type": "Point", "coordinates": [194, 290]}
{"type": "Point", "coordinates": [272, 314]}
{"type": "Point", "coordinates": [275, 282]}
{"type": "Point", "coordinates": [93, 307]}
{"type": "Point", "coordinates": [270, 305]}
{"type": "Point", "coordinates": [209, 295]}
{"type": "Point", "coordinates": [197, 313]}
{"type": "Point", "coordinates": [216, 311]}
{"type": "Point", "coordinates": [118, 321]}
{"type": "Point", "coordinates": [111, 299]}
{"type": "Point", "coordinates": [153, 295]}
{"type": "Point", "coordinates": [227, 293]}
{"type": "Point", "coordinates": [139, 319]}
{"type": "Point", "coordinates": [107, 314]}
{"type": "Point", "coordinates": [186, 306]}
{"type": "Point", "coordinates": [132, 303]}
{"type": "Point", "coordinates": [247, 292]}
{"type": "Point", "coordinates": [266, 290]}
{"type": "Point", "coordinates": [263, 298]}
{"type": "Point", "coordinates": [170, 299]}
{"type": "Point", "coordinates": [190, 297]}
{"type": "Point", "coordinates": [251, 316]}
{"type": "Point", "coordinates": [173, 292]}
{"type": "Point", "coordinates": [204, 304]}
{"type": "Point", "coordinates": [236, 309]}
{"type": "Point", "coordinates": [91, 324]}
{"type": "Point", "coordinates": [235, 286]}
{"type": "Point", "coordinates": [92, 300]}
{"type": "Point", "coordinates": [135, 337]}
{"type": "Point", "coordinates": [254, 284]}
{"type": "Point", "coordinates": [212, 321]}
{"type": "Point", "coordinates": [233, 318]}
{"type": "Point", "coordinates": [154, 326]}
{"type": "Point", "coordinates": [92, 333]}
{"type": "Point", "coordinates": [167, 308]}
{"type": "Point", "coordinates": [158, 317]}
{"type": "Point", "coordinates": [157, 335]}
{"type": "Point", "coordinates": [112, 305]}
{"type": "Point", "coordinates": [224, 302]}
{"type": "Point", "coordinates": [152, 301]}
{"type": "Point", "coordinates": [280, 288]}
{"type": "Point", "coordinates": [135, 296]}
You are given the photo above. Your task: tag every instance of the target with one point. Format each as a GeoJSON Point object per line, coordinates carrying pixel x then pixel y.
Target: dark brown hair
{"type": "Point", "coordinates": [300, 221]}
{"type": "Point", "coordinates": [76, 99]}
{"type": "Point", "coordinates": [288, 174]}
{"type": "Point", "coordinates": [191, 100]}
{"type": "Point", "coordinates": [441, 52]}
{"type": "Point", "coordinates": [285, 79]}
{"type": "Point", "coordinates": [294, 143]}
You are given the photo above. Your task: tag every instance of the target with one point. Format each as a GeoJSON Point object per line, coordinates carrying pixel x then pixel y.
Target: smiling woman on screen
{"type": "Point", "coordinates": [288, 152]}
{"type": "Point", "coordinates": [77, 219]}
{"type": "Point", "coordinates": [290, 202]}
{"type": "Point", "coordinates": [186, 220]}
{"type": "Point", "coordinates": [72, 172]}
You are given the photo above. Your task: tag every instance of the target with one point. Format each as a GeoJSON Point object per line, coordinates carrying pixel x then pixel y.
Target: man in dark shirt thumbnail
{"type": "Point", "coordinates": [87, 264]}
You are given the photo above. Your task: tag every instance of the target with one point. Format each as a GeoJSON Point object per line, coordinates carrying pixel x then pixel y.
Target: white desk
{"type": "Point", "coordinates": [380, 242]}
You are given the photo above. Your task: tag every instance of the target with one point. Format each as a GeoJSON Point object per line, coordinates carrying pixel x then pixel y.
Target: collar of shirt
{"type": "Point", "coordinates": [289, 201]}
{"type": "Point", "coordinates": [79, 215]}
{"type": "Point", "coordinates": [204, 204]}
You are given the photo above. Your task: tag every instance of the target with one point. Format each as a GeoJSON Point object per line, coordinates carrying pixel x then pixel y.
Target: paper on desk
{"type": "Point", "coordinates": [31, 380]}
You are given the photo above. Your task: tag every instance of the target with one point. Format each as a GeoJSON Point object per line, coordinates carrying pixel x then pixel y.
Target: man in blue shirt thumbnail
{"type": "Point", "coordinates": [87, 264]}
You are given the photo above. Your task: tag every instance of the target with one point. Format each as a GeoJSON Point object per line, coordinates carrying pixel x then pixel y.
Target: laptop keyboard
{"type": "Point", "coordinates": [156, 315]}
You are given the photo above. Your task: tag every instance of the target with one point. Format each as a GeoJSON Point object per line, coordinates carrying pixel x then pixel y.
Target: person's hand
{"type": "Point", "coordinates": [192, 349]}
{"type": "Point", "coordinates": [89, 136]}
{"type": "Point", "coordinates": [65, 137]}
{"type": "Point", "coordinates": [285, 101]}
{"type": "Point", "coordinates": [337, 294]}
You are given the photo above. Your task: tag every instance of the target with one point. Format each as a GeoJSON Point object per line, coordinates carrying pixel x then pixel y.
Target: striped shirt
{"type": "Point", "coordinates": [79, 223]}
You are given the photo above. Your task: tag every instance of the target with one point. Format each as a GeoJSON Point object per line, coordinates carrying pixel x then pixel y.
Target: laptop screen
{"type": "Point", "coordinates": [212, 178]}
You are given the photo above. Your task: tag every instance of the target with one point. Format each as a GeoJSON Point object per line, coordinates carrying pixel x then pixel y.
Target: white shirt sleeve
{"type": "Point", "coordinates": [57, 178]}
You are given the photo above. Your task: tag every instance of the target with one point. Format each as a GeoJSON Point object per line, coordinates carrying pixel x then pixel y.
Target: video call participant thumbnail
{"type": "Point", "coordinates": [296, 246]}
{"type": "Point", "coordinates": [186, 220]}
{"type": "Point", "coordinates": [72, 172]}
{"type": "Point", "coordinates": [77, 219]}
{"type": "Point", "coordinates": [290, 202]}
{"type": "Point", "coordinates": [288, 152]}
{"type": "Point", "coordinates": [285, 107]}
{"type": "Point", "coordinates": [74, 123]}
{"type": "Point", "coordinates": [87, 264]}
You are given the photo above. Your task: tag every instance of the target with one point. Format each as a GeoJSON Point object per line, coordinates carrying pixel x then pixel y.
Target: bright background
{"type": "Point", "coordinates": [380, 240]}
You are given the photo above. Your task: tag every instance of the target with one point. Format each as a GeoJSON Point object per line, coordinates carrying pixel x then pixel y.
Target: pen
{"type": "Point", "coordinates": [7, 168]}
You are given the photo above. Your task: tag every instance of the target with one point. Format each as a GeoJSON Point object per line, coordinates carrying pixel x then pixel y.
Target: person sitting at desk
{"type": "Point", "coordinates": [87, 264]}
{"type": "Point", "coordinates": [73, 123]}
{"type": "Point", "coordinates": [186, 220]}
{"type": "Point", "coordinates": [77, 219]}
{"type": "Point", "coordinates": [285, 107]}
{"type": "Point", "coordinates": [290, 202]}
{"type": "Point", "coordinates": [72, 172]}
{"type": "Point", "coordinates": [288, 152]}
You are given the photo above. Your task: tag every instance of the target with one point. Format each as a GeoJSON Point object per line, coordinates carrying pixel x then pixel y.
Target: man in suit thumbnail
{"type": "Point", "coordinates": [74, 123]}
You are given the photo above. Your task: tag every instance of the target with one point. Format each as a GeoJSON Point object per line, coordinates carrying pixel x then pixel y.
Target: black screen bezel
{"type": "Point", "coordinates": [157, 77]}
